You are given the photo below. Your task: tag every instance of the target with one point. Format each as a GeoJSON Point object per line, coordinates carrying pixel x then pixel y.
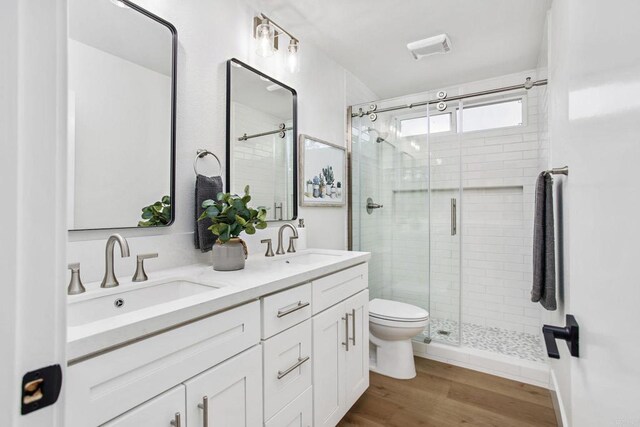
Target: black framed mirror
{"type": "Point", "coordinates": [122, 116]}
{"type": "Point", "coordinates": [262, 130]}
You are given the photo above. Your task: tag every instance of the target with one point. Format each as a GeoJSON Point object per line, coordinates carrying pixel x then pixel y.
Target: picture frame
{"type": "Point", "coordinates": [322, 173]}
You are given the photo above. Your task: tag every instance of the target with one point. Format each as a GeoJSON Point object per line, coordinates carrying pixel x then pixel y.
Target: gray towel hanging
{"type": "Point", "coordinates": [206, 188]}
{"type": "Point", "coordinates": [544, 253]}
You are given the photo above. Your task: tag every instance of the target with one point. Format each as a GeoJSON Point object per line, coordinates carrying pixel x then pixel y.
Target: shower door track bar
{"type": "Point", "coordinates": [527, 85]}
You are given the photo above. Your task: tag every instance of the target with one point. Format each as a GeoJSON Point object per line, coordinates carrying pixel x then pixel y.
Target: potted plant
{"type": "Point", "coordinates": [157, 214]}
{"type": "Point", "coordinates": [230, 216]}
{"type": "Point", "coordinates": [323, 186]}
{"type": "Point", "coordinates": [316, 186]}
{"type": "Point", "coordinates": [309, 192]}
{"type": "Point", "coordinates": [339, 189]}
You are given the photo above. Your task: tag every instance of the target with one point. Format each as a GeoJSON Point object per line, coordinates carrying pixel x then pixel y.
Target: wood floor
{"type": "Point", "coordinates": [444, 395]}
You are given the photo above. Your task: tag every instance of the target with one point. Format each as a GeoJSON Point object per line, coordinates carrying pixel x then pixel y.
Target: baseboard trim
{"type": "Point", "coordinates": [558, 405]}
{"type": "Point", "coordinates": [525, 371]}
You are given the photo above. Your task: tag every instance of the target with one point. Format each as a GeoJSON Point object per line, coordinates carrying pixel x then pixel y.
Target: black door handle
{"type": "Point", "coordinates": [569, 333]}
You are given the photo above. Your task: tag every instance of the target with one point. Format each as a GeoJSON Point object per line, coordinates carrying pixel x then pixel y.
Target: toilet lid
{"type": "Point", "coordinates": [394, 310]}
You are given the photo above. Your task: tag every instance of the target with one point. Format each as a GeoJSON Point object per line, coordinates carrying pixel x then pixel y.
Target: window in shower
{"type": "Point", "coordinates": [492, 116]}
{"type": "Point", "coordinates": [418, 125]}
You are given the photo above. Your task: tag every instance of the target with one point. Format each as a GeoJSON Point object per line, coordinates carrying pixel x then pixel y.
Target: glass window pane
{"type": "Point", "coordinates": [492, 116]}
{"type": "Point", "coordinates": [418, 126]}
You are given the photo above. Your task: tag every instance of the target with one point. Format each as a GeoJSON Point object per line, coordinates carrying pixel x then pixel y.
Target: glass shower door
{"type": "Point", "coordinates": [446, 201]}
{"type": "Point", "coordinates": [405, 198]}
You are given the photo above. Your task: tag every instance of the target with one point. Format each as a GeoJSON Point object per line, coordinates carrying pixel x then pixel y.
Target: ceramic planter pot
{"type": "Point", "coordinates": [229, 256]}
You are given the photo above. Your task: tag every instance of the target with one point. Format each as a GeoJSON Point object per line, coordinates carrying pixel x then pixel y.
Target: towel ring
{"type": "Point", "coordinates": [201, 154]}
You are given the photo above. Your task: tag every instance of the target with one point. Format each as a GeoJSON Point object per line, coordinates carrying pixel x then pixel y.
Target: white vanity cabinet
{"type": "Point", "coordinates": [107, 385]}
{"type": "Point", "coordinates": [294, 357]}
{"type": "Point", "coordinates": [341, 348]}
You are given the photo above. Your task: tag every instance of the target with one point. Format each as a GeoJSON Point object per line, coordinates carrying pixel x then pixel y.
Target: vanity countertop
{"type": "Point", "coordinates": [261, 276]}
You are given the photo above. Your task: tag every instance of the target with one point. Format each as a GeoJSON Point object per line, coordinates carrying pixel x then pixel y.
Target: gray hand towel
{"type": "Point", "coordinates": [206, 188]}
{"type": "Point", "coordinates": [544, 253]}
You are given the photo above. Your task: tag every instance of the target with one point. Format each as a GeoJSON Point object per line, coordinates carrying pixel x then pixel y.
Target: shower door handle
{"type": "Point", "coordinates": [454, 217]}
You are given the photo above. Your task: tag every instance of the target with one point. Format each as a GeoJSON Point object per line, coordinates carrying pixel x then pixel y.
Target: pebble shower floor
{"type": "Point", "coordinates": [497, 340]}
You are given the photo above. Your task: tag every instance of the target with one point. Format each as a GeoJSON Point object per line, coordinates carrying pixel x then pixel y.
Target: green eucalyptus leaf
{"type": "Point", "coordinates": [212, 211]}
{"type": "Point", "coordinates": [208, 203]}
{"type": "Point", "coordinates": [261, 225]}
{"type": "Point", "coordinates": [250, 229]}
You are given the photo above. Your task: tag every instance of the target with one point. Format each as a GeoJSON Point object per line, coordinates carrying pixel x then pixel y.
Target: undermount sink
{"type": "Point", "coordinates": [131, 298]}
{"type": "Point", "coordinates": [309, 258]}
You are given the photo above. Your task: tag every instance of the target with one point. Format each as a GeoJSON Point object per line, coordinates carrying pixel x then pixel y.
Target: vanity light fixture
{"type": "Point", "coordinates": [293, 60]}
{"type": "Point", "coordinates": [266, 32]}
{"type": "Point", "coordinates": [265, 35]}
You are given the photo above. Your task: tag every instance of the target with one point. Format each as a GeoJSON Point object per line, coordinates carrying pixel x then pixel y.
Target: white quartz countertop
{"type": "Point", "coordinates": [261, 276]}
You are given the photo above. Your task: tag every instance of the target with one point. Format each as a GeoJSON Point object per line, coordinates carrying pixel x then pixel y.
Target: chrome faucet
{"type": "Point", "coordinates": [109, 280]}
{"type": "Point", "coordinates": [291, 248]}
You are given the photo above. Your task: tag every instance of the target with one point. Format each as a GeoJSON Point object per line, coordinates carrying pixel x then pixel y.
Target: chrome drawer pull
{"type": "Point", "coordinates": [205, 411]}
{"type": "Point", "coordinates": [301, 360]}
{"type": "Point", "coordinates": [300, 305]}
{"type": "Point", "coordinates": [176, 420]}
{"type": "Point", "coordinates": [353, 326]}
{"type": "Point", "coordinates": [346, 331]}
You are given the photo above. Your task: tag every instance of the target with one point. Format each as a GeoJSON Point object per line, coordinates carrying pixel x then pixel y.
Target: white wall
{"type": "Point", "coordinates": [122, 122]}
{"type": "Point", "coordinates": [209, 33]}
{"type": "Point", "coordinates": [32, 183]}
{"type": "Point", "coordinates": [594, 69]}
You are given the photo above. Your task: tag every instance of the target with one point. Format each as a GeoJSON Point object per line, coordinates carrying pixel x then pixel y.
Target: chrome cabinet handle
{"type": "Point", "coordinates": [205, 411]}
{"type": "Point", "coordinates": [346, 331]}
{"type": "Point", "coordinates": [176, 420]}
{"type": "Point", "coordinates": [301, 360]}
{"type": "Point", "coordinates": [454, 217]}
{"type": "Point", "coordinates": [353, 326]}
{"type": "Point", "coordinates": [299, 306]}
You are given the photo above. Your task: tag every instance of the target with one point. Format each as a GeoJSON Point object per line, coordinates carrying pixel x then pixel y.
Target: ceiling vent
{"type": "Point", "coordinates": [436, 44]}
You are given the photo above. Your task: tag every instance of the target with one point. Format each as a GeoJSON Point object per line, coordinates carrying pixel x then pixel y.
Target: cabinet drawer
{"type": "Point", "coordinates": [106, 386]}
{"type": "Point", "coordinates": [159, 411]}
{"type": "Point", "coordinates": [332, 289]}
{"type": "Point", "coordinates": [287, 367]}
{"type": "Point", "coordinates": [298, 413]}
{"type": "Point", "coordinates": [287, 308]}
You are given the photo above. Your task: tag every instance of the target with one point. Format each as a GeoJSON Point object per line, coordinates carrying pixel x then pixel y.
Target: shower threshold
{"type": "Point", "coordinates": [496, 340]}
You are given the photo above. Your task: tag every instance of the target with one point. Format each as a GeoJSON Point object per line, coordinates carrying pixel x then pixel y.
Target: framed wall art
{"type": "Point", "coordinates": [322, 172]}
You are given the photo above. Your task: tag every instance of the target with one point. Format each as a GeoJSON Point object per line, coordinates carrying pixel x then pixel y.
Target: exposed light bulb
{"type": "Point", "coordinates": [293, 57]}
{"type": "Point", "coordinates": [265, 35]}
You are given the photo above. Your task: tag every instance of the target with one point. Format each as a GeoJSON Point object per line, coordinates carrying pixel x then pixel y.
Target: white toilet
{"type": "Point", "coordinates": [392, 324]}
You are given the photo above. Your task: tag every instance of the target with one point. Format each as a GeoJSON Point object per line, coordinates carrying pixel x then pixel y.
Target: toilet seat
{"type": "Point", "coordinates": [386, 312]}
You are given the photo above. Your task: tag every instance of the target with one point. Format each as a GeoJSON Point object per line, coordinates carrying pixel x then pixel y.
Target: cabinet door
{"type": "Point", "coordinates": [328, 365]}
{"type": "Point", "coordinates": [229, 394]}
{"type": "Point", "coordinates": [357, 357]}
{"type": "Point", "coordinates": [159, 411]}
